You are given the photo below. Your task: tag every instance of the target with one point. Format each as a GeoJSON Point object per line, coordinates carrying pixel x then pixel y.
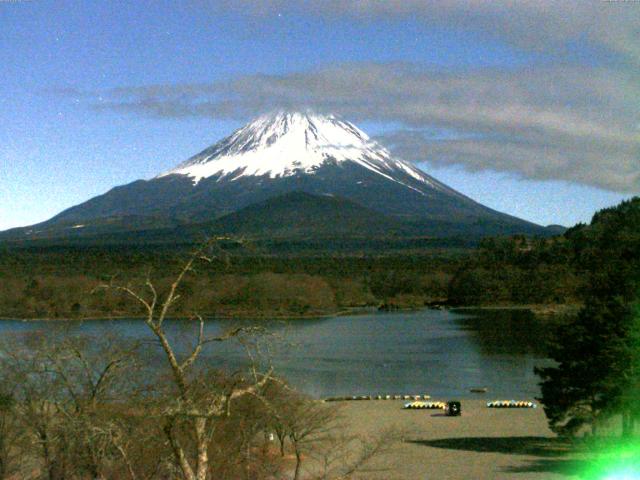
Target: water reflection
{"type": "Point", "coordinates": [511, 331]}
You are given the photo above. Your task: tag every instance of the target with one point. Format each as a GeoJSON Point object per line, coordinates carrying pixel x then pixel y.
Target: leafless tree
{"type": "Point", "coordinates": [63, 389]}
{"type": "Point", "coordinates": [315, 433]}
{"type": "Point", "coordinates": [10, 433]}
{"type": "Point", "coordinates": [351, 456]}
{"type": "Point", "coordinates": [190, 415]}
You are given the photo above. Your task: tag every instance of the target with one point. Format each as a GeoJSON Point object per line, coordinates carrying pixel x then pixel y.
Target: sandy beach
{"type": "Point", "coordinates": [483, 443]}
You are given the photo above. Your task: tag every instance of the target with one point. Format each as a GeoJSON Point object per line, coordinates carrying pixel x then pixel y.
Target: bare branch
{"type": "Point", "coordinates": [154, 293]}
{"type": "Point", "coordinates": [131, 293]}
{"type": "Point", "coordinates": [187, 471]}
{"type": "Point", "coordinates": [252, 389]}
{"type": "Point", "coordinates": [198, 348]}
{"type": "Point", "coordinates": [171, 296]}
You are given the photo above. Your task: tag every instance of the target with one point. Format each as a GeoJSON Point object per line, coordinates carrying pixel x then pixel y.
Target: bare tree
{"type": "Point", "coordinates": [308, 424]}
{"type": "Point", "coordinates": [10, 433]}
{"type": "Point", "coordinates": [37, 394]}
{"type": "Point", "coordinates": [190, 415]}
{"type": "Point", "coordinates": [344, 457]}
{"type": "Point", "coordinates": [63, 389]}
{"type": "Point", "coordinates": [242, 448]}
{"type": "Point", "coordinates": [315, 434]}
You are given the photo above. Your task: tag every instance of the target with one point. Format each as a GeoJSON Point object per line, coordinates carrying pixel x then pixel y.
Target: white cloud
{"type": "Point", "coordinates": [565, 122]}
{"type": "Point", "coordinates": [566, 119]}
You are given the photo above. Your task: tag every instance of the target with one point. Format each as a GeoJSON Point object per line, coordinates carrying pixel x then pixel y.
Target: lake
{"type": "Point", "coordinates": [439, 352]}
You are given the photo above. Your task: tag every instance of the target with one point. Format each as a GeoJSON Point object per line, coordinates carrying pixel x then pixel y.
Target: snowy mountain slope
{"type": "Point", "coordinates": [277, 154]}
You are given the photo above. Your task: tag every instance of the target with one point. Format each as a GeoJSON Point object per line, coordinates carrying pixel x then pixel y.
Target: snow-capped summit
{"type": "Point", "coordinates": [289, 143]}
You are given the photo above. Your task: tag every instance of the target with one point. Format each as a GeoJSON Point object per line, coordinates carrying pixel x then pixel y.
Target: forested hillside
{"type": "Point", "coordinates": [248, 279]}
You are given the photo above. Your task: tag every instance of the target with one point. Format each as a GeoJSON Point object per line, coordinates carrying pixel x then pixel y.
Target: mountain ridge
{"type": "Point", "coordinates": [277, 154]}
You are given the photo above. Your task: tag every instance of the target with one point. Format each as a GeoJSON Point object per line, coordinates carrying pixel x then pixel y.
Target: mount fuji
{"type": "Point", "coordinates": [286, 173]}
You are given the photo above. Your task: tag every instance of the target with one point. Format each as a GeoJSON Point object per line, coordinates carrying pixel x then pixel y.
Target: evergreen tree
{"type": "Point", "coordinates": [598, 353]}
{"type": "Point", "coordinates": [630, 398]}
{"type": "Point", "coordinates": [585, 386]}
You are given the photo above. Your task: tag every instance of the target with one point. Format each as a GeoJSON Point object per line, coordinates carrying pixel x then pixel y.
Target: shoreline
{"type": "Point", "coordinates": [206, 316]}
{"type": "Point", "coordinates": [539, 310]}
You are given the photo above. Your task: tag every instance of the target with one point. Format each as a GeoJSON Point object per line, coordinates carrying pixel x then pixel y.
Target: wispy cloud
{"type": "Point", "coordinates": [572, 123]}
{"type": "Point", "coordinates": [569, 118]}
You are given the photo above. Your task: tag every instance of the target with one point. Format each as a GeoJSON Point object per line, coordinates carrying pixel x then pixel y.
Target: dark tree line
{"type": "Point", "coordinates": [55, 282]}
{"type": "Point", "coordinates": [597, 375]}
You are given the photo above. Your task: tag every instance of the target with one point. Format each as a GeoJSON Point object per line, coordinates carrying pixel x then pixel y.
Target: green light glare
{"type": "Point", "coordinates": [626, 475]}
{"type": "Point", "coordinates": [618, 462]}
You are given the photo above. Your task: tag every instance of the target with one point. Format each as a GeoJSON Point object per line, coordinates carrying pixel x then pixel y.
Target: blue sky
{"type": "Point", "coordinates": [80, 111]}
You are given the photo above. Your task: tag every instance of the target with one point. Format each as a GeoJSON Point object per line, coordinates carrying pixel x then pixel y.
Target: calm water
{"type": "Point", "coordinates": [441, 353]}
